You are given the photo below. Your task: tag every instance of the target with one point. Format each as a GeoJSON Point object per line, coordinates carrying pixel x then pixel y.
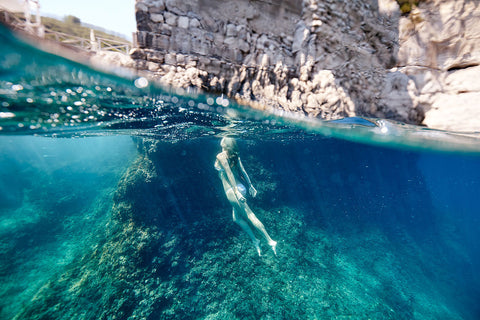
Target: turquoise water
{"type": "Point", "coordinates": [111, 208]}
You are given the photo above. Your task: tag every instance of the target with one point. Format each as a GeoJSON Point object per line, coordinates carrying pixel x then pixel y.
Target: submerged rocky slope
{"type": "Point", "coordinates": [356, 239]}
{"type": "Point", "coordinates": [325, 59]}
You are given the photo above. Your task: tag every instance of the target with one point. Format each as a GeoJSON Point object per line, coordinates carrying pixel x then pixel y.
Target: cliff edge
{"type": "Point", "coordinates": [328, 59]}
{"type": "Point", "coordinates": [440, 54]}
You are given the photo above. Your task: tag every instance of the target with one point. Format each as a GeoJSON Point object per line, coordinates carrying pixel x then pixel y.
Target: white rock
{"type": "Point", "coordinates": [170, 19]}
{"type": "Point", "coordinates": [180, 59]}
{"type": "Point", "coordinates": [456, 112]}
{"type": "Point", "coordinates": [139, 6]}
{"type": "Point", "coordinates": [243, 46]}
{"type": "Point", "coordinates": [157, 6]}
{"type": "Point", "coordinates": [183, 22]}
{"type": "Point", "coordinates": [231, 42]}
{"type": "Point", "coordinates": [231, 30]}
{"type": "Point", "coordinates": [152, 66]}
{"type": "Point", "coordinates": [194, 23]}
{"type": "Point", "coordinates": [265, 60]}
{"type": "Point", "coordinates": [301, 34]}
{"type": "Point", "coordinates": [157, 17]}
{"type": "Point", "coordinates": [461, 80]}
{"type": "Point", "coordinates": [170, 59]}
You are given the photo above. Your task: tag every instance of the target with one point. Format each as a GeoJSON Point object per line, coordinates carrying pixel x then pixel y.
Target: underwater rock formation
{"type": "Point", "coordinates": [327, 59]}
{"type": "Point", "coordinates": [171, 250]}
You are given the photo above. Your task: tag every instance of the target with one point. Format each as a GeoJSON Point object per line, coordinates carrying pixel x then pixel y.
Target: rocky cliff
{"type": "Point", "coordinates": [327, 59]}
{"type": "Point", "coordinates": [439, 54]}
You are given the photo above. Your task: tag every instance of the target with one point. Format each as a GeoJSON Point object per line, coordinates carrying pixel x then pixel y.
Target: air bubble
{"type": "Point", "coordinates": [17, 87]}
{"type": "Point", "coordinates": [7, 115]}
{"type": "Point", "coordinates": [202, 106]}
{"type": "Point", "coordinates": [141, 82]}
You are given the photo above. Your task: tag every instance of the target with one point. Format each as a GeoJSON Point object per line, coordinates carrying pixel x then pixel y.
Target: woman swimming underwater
{"type": "Point", "coordinates": [231, 170]}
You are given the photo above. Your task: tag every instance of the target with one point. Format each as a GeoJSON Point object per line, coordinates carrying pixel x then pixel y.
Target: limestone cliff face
{"type": "Point", "coordinates": [440, 54]}
{"type": "Point", "coordinates": [329, 59]}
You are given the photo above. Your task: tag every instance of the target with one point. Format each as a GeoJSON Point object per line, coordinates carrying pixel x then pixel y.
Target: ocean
{"type": "Point", "coordinates": [111, 206]}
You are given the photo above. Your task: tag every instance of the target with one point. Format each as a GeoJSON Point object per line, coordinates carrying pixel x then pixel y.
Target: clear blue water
{"type": "Point", "coordinates": [110, 207]}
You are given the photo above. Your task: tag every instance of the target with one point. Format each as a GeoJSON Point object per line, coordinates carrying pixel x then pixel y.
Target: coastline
{"type": "Point", "coordinates": [418, 68]}
{"type": "Point", "coordinates": [328, 59]}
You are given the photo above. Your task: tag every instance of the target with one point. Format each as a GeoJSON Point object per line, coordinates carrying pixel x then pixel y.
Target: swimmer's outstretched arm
{"type": "Point", "coordinates": [231, 178]}
{"type": "Point", "coordinates": [251, 189]}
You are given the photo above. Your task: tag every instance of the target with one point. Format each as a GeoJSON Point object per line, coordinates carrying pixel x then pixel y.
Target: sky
{"type": "Point", "coordinates": [113, 15]}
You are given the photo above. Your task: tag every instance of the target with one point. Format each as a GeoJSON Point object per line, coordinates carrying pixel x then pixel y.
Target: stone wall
{"type": "Point", "coordinates": [328, 59]}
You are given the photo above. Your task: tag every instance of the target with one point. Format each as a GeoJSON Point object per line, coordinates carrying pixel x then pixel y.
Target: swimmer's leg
{"type": "Point", "coordinates": [259, 225]}
{"type": "Point", "coordinates": [244, 225]}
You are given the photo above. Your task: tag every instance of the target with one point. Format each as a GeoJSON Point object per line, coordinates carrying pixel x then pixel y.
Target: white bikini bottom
{"type": "Point", "coordinates": [240, 188]}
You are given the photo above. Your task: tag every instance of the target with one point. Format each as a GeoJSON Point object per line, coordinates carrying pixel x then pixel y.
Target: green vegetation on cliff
{"type": "Point", "coordinates": [407, 5]}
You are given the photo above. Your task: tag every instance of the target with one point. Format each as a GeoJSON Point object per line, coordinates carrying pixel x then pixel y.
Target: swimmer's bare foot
{"type": "Point", "coordinates": [273, 244]}
{"type": "Point", "coordinates": [257, 246]}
